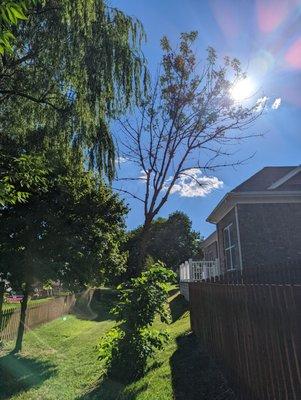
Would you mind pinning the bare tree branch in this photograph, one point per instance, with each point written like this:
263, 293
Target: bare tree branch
130, 193
188, 122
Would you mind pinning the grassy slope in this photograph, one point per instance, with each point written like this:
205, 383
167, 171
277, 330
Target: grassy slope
59, 361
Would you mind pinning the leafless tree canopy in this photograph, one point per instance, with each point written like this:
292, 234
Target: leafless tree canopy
187, 122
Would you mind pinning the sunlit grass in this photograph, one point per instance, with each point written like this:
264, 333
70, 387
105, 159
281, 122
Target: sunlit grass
59, 361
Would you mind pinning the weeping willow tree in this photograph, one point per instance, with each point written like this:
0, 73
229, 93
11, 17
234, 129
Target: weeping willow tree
68, 68
74, 65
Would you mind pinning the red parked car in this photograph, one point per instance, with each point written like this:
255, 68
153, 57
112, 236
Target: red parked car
14, 298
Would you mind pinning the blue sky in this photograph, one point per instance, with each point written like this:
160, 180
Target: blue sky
266, 36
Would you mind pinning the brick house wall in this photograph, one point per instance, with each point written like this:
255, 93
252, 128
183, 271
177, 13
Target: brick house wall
225, 221
211, 252
269, 233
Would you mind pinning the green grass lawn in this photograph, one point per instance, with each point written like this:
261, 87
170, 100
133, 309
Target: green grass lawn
59, 361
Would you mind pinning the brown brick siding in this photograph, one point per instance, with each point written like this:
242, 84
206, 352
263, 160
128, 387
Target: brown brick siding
269, 233
210, 252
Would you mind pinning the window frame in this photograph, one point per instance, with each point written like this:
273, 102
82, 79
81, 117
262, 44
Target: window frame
231, 248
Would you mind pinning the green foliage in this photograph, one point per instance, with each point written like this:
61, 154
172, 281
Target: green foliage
171, 240
127, 347
74, 65
47, 285
71, 230
144, 297
149, 261
11, 13
108, 349
21, 175
126, 353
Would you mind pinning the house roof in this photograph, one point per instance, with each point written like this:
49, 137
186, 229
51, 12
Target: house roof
263, 179
209, 240
270, 184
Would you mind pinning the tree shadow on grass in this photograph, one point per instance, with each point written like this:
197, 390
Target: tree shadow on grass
109, 389
18, 374
102, 302
95, 304
178, 307
95, 312
194, 374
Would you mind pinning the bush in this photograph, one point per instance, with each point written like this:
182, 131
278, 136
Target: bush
127, 347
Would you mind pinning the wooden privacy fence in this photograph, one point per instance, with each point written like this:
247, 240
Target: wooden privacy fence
255, 333
288, 273
35, 316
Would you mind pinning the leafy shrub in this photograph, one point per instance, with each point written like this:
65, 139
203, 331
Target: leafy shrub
127, 347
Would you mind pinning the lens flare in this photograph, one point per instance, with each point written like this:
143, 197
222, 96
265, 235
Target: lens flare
293, 55
242, 90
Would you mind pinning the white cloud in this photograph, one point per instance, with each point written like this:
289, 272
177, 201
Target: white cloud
142, 175
196, 184
121, 160
260, 103
276, 103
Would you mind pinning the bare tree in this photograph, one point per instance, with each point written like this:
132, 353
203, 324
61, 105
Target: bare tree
186, 124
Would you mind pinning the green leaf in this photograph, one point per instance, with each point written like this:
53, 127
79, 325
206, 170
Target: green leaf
11, 16
18, 13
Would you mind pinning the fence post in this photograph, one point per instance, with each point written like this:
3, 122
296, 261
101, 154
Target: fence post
181, 272
191, 277
2, 287
217, 267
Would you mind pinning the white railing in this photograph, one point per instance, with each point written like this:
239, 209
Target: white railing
193, 271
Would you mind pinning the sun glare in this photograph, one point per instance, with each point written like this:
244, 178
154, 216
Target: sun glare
242, 90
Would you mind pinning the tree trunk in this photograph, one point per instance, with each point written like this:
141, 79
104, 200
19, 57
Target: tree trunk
21, 329
2, 286
142, 249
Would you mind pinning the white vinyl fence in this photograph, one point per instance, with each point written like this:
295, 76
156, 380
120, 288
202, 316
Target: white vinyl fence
196, 271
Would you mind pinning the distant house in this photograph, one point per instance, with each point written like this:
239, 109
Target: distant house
259, 222
49, 289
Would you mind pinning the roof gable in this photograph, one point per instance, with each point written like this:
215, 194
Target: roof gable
209, 240
269, 185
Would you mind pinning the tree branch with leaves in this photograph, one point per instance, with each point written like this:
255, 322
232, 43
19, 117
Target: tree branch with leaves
11, 14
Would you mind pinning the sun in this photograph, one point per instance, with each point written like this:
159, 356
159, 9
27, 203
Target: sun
242, 90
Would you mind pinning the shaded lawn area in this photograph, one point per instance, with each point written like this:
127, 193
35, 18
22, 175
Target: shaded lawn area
59, 361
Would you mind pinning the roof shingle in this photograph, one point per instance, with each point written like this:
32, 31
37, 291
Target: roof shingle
263, 179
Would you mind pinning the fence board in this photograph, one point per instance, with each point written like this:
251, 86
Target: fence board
254, 331
35, 316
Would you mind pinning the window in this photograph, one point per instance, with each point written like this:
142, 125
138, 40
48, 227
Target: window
229, 247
